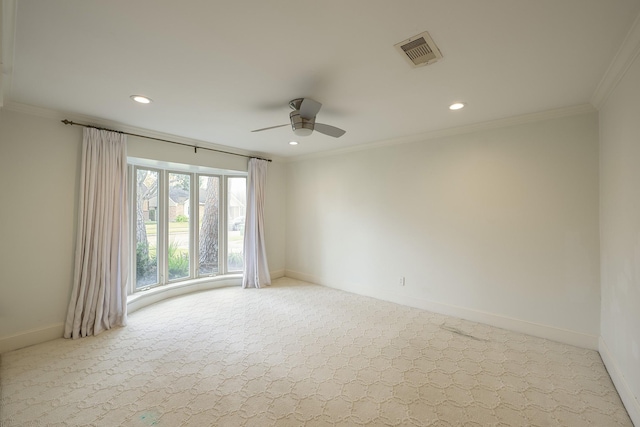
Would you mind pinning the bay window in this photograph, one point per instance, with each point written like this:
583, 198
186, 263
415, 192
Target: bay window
178, 221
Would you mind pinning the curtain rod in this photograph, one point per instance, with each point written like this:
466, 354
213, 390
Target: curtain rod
195, 147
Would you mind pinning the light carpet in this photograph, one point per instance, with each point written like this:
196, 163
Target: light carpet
296, 354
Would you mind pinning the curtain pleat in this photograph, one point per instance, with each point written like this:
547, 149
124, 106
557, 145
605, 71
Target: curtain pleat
99, 298
256, 269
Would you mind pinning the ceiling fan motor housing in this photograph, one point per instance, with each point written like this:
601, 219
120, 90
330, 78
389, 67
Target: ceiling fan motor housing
303, 119
300, 125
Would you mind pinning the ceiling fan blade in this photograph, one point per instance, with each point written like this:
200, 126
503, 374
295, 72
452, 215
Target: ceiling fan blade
329, 130
309, 108
271, 127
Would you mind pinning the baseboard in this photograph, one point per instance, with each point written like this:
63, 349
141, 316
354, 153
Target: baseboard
134, 303
31, 337
304, 277
276, 274
553, 333
630, 402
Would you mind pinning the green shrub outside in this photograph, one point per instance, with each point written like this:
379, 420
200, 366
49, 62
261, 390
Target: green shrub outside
178, 262
235, 261
145, 266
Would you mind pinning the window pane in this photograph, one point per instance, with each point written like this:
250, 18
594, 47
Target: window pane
178, 249
209, 211
146, 228
236, 207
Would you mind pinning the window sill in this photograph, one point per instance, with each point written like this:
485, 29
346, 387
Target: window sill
144, 298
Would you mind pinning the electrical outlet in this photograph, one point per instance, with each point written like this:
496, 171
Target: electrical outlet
401, 280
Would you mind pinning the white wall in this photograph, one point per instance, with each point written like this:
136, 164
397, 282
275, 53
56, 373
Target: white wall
39, 172
275, 218
499, 226
620, 237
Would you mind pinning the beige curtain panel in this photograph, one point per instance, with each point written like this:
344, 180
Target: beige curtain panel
99, 297
256, 269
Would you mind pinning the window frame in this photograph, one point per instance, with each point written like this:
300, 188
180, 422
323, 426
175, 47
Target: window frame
226, 222
195, 172
221, 196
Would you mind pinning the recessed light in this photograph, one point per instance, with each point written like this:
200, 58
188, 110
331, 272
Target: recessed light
141, 99
456, 106
293, 143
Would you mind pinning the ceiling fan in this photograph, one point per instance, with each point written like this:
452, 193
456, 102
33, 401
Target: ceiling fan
303, 119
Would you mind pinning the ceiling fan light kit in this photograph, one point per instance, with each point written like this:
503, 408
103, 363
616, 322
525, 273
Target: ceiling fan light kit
303, 119
300, 125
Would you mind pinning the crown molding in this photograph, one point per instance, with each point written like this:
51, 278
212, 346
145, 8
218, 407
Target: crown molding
99, 122
459, 130
626, 55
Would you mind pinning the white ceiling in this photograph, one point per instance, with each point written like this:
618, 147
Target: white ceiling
218, 69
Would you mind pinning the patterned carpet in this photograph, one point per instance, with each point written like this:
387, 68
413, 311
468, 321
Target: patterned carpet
296, 354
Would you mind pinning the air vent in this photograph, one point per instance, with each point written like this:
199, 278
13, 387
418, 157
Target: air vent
419, 50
